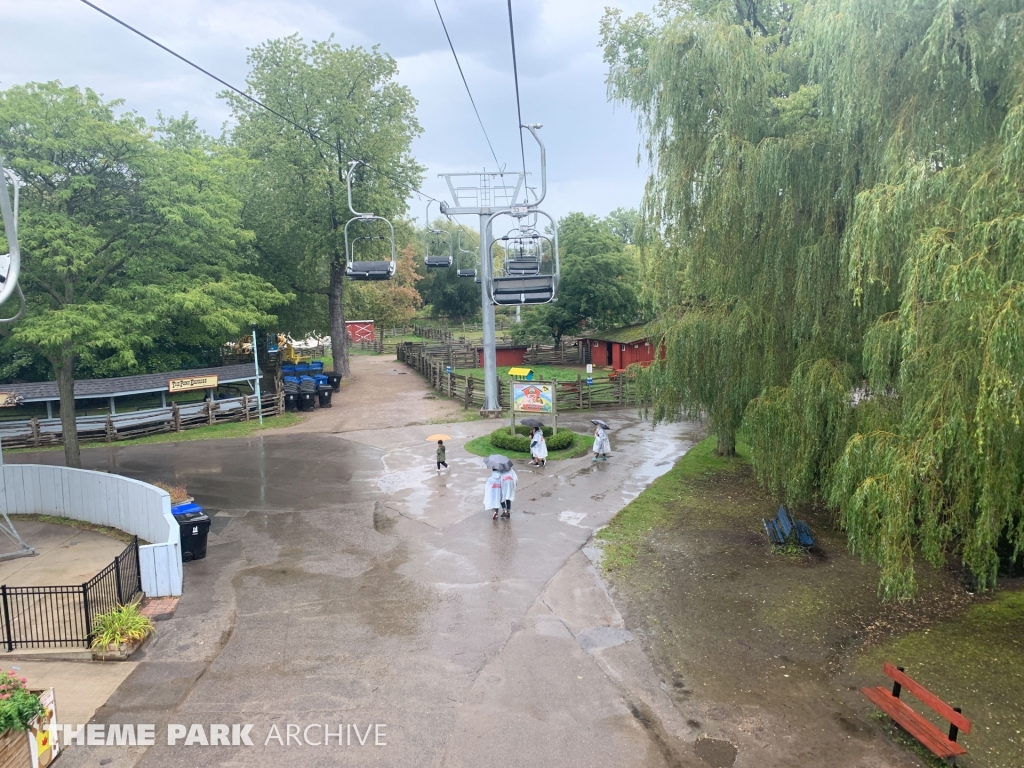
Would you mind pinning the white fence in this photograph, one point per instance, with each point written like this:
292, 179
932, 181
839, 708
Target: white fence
97, 497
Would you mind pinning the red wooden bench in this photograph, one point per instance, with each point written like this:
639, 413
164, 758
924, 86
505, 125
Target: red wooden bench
939, 743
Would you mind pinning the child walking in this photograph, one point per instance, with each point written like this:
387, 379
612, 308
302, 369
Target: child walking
601, 445
440, 456
538, 448
509, 478
492, 493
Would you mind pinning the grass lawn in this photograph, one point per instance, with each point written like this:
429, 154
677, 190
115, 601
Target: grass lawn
113, 533
482, 446
215, 432
656, 505
540, 372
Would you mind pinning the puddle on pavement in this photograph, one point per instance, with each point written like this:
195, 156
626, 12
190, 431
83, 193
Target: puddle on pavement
715, 752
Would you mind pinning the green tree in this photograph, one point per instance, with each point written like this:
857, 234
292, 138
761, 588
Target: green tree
838, 260
451, 296
625, 224
598, 284
351, 107
121, 234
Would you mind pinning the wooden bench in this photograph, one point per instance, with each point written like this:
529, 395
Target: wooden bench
781, 530
938, 743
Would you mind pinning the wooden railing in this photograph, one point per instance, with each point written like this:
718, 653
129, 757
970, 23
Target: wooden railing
35, 433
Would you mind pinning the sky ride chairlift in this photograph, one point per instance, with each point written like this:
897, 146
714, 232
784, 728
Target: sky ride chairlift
10, 269
441, 239
466, 267
527, 276
10, 262
367, 270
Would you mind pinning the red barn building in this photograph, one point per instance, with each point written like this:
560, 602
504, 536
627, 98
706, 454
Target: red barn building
620, 348
360, 330
506, 355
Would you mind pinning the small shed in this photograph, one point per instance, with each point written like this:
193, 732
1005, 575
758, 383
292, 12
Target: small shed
360, 330
521, 374
504, 355
621, 347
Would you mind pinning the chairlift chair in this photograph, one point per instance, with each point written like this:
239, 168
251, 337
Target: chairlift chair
461, 270
523, 254
436, 240
528, 278
367, 269
10, 262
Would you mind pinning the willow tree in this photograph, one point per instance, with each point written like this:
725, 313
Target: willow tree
349, 106
840, 181
745, 209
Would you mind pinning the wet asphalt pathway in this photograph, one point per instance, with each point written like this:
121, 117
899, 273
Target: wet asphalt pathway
346, 582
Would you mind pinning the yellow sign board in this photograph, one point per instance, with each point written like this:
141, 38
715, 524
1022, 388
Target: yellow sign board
195, 382
8, 399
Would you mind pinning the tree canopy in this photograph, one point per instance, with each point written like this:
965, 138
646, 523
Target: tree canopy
598, 284
351, 106
125, 235
833, 241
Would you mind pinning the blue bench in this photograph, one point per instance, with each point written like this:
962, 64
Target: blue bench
781, 530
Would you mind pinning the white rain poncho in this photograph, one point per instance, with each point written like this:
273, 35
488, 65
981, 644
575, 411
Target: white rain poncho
601, 444
492, 491
538, 446
508, 485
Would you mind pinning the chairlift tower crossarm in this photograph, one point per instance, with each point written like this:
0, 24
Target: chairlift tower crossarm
487, 200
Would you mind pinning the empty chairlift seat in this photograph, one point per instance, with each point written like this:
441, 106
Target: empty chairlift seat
538, 289
370, 270
525, 266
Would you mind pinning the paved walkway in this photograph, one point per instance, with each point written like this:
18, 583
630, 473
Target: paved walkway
64, 555
347, 582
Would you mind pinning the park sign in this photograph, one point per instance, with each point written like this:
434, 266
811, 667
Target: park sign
194, 382
532, 398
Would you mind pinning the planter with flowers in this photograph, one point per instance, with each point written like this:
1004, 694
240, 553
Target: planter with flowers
117, 634
24, 717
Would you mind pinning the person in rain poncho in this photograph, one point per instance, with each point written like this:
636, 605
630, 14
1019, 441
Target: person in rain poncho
492, 493
509, 478
601, 445
538, 448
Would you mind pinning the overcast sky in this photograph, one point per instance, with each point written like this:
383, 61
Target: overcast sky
592, 145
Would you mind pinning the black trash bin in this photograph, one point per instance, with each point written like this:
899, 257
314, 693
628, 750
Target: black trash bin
307, 401
335, 381
324, 394
291, 401
195, 527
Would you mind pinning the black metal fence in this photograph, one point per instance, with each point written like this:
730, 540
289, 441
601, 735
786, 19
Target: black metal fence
54, 617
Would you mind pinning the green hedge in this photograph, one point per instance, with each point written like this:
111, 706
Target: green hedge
501, 438
521, 430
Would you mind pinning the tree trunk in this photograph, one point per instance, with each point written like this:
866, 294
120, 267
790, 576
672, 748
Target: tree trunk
339, 335
726, 442
64, 368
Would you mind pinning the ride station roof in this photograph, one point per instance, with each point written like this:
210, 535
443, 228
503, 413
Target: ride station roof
123, 386
630, 334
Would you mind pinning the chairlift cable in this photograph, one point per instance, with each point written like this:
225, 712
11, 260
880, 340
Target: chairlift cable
256, 101
468, 92
515, 73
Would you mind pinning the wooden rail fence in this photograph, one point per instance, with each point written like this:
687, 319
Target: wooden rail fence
34, 433
432, 361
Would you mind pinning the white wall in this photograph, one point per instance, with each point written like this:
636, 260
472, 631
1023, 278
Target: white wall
97, 497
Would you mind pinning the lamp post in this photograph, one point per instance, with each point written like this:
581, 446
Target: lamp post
256, 363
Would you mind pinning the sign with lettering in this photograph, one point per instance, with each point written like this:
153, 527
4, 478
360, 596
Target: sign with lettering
195, 382
532, 398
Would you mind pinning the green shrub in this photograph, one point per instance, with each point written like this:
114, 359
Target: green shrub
123, 624
501, 438
17, 705
521, 430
